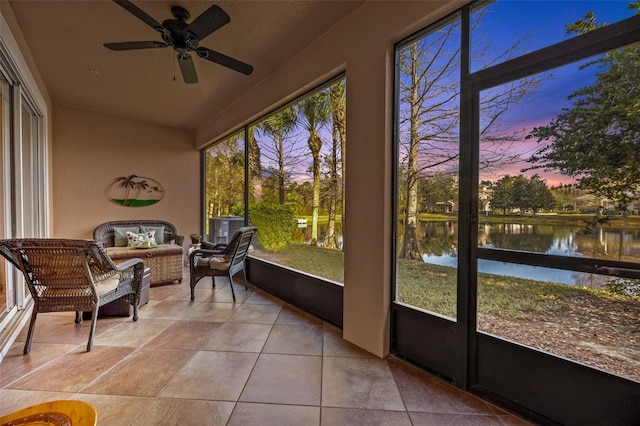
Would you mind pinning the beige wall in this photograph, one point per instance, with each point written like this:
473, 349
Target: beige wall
362, 46
91, 150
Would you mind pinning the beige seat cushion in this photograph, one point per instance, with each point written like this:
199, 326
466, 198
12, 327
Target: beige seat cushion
103, 287
107, 285
220, 263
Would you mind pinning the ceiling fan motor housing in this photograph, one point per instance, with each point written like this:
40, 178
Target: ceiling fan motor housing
183, 37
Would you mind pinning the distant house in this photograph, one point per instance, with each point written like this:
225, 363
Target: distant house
447, 206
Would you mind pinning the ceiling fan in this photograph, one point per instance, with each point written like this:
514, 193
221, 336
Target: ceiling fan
183, 37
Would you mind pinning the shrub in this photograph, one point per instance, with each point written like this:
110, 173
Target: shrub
274, 222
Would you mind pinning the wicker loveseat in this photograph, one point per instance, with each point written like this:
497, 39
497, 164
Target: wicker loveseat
165, 261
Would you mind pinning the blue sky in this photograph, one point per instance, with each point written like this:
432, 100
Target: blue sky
541, 23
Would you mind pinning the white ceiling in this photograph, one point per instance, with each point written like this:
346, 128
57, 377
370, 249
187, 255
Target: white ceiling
66, 41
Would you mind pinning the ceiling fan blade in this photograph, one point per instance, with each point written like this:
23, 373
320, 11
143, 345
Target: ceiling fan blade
140, 14
224, 60
131, 45
188, 69
210, 20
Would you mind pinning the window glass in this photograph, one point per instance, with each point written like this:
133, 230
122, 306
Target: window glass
224, 188
528, 25
428, 90
5, 123
295, 183
568, 184
298, 189
32, 171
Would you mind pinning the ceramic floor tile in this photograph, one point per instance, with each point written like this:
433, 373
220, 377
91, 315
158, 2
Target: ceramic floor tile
442, 419
163, 292
134, 333
213, 312
186, 412
15, 365
359, 383
181, 293
143, 373
14, 400
166, 309
211, 361
61, 328
293, 316
335, 345
223, 289
216, 376
239, 337
424, 392
185, 335
246, 414
222, 294
295, 339
285, 379
353, 416
202, 293
257, 313
259, 297
74, 370
114, 410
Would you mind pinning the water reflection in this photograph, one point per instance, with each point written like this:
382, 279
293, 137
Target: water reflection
438, 244
302, 234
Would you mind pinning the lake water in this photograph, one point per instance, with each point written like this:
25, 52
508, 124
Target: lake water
438, 245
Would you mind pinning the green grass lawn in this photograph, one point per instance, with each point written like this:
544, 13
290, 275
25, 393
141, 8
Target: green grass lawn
325, 263
433, 287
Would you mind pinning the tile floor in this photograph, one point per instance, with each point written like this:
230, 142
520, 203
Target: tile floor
259, 361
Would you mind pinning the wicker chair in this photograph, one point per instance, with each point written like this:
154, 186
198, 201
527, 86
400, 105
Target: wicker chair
72, 275
222, 259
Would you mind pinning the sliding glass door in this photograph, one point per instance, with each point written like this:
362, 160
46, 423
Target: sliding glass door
526, 289
23, 187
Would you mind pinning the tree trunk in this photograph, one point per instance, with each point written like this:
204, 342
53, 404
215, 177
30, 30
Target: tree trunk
330, 236
410, 249
315, 143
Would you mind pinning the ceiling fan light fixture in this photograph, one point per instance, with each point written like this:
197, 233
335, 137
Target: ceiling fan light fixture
184, 37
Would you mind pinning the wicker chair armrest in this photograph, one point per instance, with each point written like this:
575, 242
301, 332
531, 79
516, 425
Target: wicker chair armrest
179, 239
206, 245
128, 264
202, 253
205, 253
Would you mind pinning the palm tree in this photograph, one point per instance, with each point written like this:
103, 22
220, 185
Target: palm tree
315, 114
337, 107
128, 184
278, 126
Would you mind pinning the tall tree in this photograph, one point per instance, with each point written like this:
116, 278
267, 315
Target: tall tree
429, 117
538, 195
597, 140
224, 167
279, 155
503, 194
255, 167
337, 109
314, 113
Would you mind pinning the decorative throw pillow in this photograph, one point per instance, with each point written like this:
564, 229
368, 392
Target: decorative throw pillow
159, 232
120, 235
151, 237
141, 240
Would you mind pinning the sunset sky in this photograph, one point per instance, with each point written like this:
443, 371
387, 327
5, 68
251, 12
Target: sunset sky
542, 23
